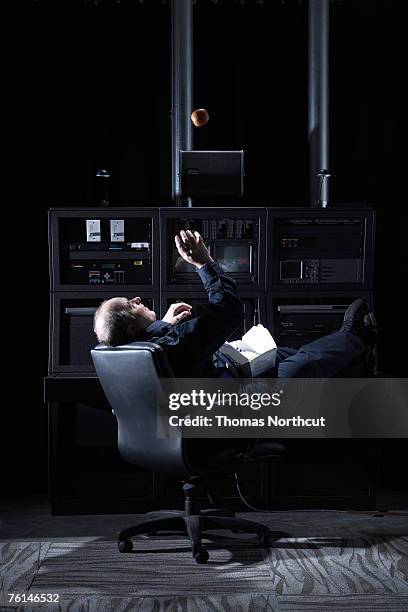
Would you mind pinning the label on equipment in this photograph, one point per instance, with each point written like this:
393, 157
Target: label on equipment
93, 230
140, 246
117, 230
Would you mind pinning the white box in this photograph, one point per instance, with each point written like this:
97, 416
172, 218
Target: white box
93, 230
117, 230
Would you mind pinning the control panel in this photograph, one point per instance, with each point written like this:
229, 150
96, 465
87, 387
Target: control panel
316, 250
97, 249
232, 241
295, 322
282, 259
109, 263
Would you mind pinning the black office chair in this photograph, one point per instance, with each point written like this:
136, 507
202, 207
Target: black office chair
129, 376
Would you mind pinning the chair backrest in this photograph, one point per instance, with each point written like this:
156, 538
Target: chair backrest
130, 377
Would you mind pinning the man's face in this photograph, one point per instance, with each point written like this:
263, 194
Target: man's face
142, 312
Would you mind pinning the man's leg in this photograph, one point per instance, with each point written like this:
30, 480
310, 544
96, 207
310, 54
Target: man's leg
282, 353
322, 358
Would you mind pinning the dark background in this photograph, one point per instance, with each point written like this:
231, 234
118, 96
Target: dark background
92, 89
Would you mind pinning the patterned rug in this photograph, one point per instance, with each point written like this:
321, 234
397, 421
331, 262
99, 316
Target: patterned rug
160, 574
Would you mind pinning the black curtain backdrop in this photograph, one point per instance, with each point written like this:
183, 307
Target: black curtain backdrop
92, 90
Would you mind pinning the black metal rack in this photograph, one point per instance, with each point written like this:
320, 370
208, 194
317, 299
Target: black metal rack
86, 471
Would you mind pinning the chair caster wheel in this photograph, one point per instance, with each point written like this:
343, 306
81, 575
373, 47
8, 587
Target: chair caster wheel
201, 556
125, 546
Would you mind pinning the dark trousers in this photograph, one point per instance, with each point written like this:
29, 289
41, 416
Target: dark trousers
326, 357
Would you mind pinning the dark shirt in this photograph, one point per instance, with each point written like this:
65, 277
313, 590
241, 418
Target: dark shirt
191, 346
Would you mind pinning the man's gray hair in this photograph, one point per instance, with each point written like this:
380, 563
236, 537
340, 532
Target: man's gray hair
115, 325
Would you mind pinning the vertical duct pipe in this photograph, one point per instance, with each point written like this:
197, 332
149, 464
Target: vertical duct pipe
318, 112
182, 90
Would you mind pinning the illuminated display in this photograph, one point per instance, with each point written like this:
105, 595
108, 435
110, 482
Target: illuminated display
234, 258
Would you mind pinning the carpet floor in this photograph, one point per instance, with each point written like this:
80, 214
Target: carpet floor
362, 571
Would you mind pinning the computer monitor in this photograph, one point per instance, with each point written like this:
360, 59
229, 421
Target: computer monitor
233, 238
235, 258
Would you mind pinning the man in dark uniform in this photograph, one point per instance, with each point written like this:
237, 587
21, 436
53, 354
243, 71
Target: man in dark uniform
193, 346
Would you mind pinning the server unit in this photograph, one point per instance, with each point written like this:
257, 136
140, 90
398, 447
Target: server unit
326, 250
96, 254
235, 238
71, 326
297, 270
295, 320
318, 263
97, 249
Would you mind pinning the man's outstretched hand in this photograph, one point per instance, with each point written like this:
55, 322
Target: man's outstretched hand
192, 248
176, 313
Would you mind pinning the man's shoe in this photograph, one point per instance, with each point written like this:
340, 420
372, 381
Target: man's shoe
354, 318
359, 321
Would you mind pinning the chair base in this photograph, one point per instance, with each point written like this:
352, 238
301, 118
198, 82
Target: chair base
193, 525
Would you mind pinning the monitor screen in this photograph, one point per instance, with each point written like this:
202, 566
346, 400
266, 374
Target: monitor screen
181, 266
234, 258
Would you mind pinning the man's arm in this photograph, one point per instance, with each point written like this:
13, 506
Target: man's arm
199, 338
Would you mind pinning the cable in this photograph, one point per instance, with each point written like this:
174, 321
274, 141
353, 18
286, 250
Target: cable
244, 500
372, 513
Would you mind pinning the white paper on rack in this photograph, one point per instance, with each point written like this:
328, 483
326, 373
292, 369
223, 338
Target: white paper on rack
258, 339
250, 355
244, 349
241, 346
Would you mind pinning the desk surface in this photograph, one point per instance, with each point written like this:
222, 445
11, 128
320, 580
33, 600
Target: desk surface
72, 387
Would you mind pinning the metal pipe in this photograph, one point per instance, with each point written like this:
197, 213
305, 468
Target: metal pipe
318, 111
182, 90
